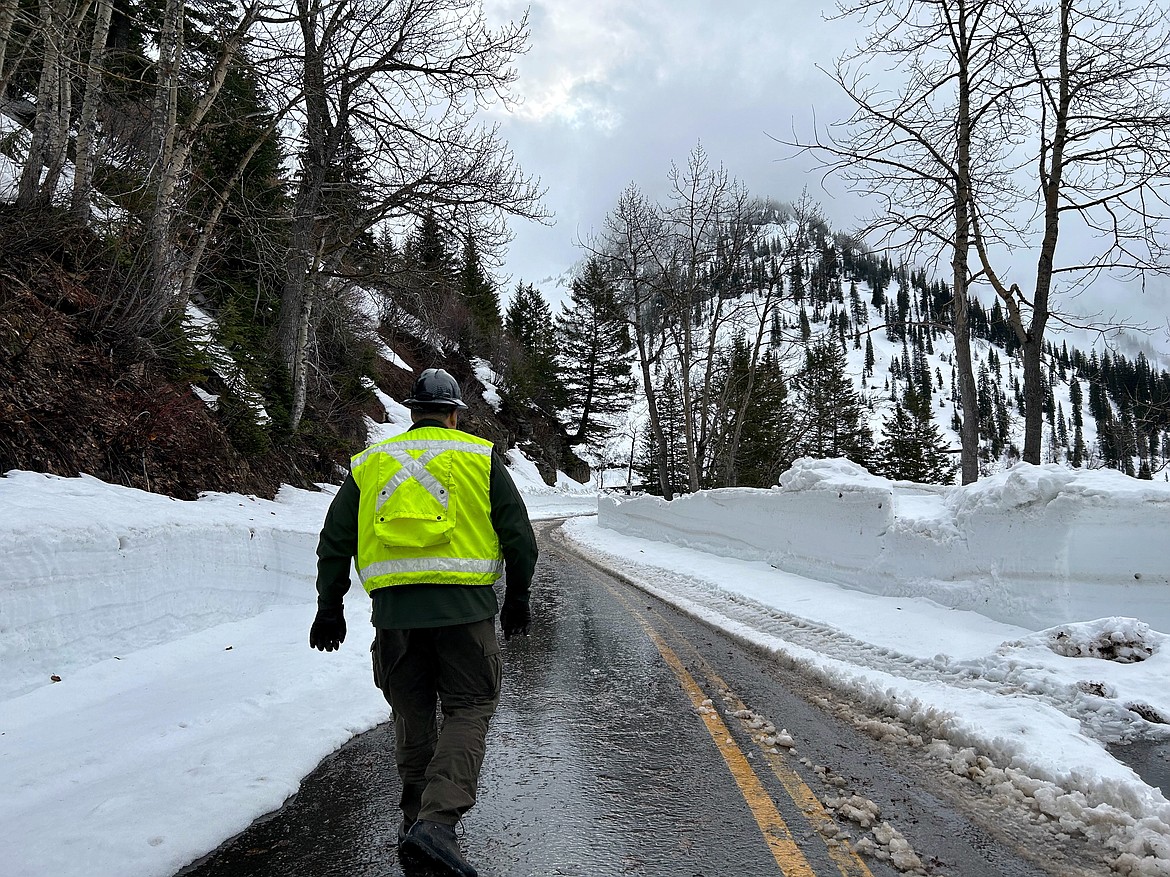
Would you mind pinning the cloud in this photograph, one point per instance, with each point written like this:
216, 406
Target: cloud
613, 92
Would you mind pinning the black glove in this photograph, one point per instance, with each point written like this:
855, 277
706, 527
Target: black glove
514, 618
328, 631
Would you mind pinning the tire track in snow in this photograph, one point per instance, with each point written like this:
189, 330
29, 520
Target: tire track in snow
1107, 721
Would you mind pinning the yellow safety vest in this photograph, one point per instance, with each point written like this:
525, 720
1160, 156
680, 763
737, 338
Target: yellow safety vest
425, 514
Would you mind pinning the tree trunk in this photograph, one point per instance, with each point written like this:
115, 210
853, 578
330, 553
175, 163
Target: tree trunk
8, 10
164, 121
303, 261
57, 143
1050, 186
969, 425
87, 125
29, 194
660, 460
300, 353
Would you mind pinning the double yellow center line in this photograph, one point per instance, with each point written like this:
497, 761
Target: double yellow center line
784, 847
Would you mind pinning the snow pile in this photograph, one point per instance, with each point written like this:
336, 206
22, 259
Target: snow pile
1035, 545
1127, 643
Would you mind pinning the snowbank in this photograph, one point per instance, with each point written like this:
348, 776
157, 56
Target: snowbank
94, 570
1036, 546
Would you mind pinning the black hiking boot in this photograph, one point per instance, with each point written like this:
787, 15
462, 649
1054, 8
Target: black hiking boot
433, 843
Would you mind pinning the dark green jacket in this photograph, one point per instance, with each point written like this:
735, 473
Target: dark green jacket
407, 606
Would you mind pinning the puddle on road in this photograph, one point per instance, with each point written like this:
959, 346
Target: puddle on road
1149, 759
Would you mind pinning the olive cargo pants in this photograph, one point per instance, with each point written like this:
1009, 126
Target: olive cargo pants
459, 668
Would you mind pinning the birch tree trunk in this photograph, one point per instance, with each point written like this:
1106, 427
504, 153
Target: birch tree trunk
163, 176
52, 17
87, 125
173, 143
304, 254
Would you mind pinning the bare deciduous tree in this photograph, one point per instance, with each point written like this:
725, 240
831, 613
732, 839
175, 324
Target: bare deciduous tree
710, 223
631, 233
938, 140
1099, 79
57, 29
391, 88
171, 141
87, 124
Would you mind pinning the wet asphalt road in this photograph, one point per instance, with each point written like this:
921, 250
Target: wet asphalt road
599, 763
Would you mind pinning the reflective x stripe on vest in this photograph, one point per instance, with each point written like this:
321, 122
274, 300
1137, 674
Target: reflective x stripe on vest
465, 549
416, 469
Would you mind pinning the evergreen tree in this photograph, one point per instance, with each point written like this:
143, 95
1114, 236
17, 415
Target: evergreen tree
480, 298
858, 310
796, 279
1079, 452
670, 411
913, 449
534, 372
430, 273
834, 418
594, 352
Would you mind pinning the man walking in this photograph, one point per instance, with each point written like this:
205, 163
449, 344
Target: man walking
432, 517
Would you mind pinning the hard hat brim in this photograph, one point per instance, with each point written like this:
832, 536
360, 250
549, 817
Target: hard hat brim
421, 404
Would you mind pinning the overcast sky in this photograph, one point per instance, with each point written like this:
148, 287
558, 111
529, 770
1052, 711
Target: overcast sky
612, 92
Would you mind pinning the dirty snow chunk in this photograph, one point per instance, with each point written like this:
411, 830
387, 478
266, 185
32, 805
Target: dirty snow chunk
901, 853
1124, 640
1148, 713
784, 739
856, 809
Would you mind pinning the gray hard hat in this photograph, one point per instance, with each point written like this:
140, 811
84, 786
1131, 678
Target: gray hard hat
435, 388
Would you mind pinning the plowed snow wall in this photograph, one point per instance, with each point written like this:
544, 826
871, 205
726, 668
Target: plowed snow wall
1036, 559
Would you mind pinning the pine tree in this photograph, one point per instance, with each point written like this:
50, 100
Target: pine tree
670, 410
913, 449
480, 298
1079, 452
859, 311
835, 423
534, 372
429, 277
594, 352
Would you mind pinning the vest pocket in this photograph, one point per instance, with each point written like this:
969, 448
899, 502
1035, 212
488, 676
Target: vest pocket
407, 531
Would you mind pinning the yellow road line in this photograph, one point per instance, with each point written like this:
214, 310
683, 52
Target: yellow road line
784, 848
848, 862
782, 844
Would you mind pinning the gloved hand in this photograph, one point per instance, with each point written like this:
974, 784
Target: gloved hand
328, 630
514, 618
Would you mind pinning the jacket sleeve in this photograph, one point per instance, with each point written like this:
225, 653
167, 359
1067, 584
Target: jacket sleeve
517, 541
337, 546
